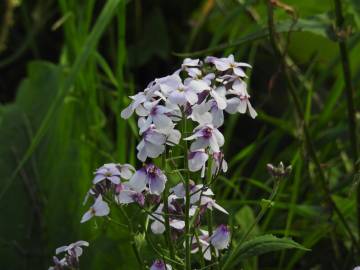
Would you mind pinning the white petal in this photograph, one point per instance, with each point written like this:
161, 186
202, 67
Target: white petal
138, 181
125, 197
157, 185
232, 105
60, 249
88, 215
220, 208
157, 227
199, 143
220, 101
252, 112
127, 112
100, 207
219, 137
153, 150
177, 224
242, 106
98, 178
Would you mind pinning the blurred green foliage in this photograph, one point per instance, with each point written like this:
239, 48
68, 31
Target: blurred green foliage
67, 68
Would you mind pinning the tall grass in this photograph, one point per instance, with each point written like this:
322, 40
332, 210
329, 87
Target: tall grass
66, 121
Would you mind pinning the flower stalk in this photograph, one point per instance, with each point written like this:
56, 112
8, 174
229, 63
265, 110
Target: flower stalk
299, 111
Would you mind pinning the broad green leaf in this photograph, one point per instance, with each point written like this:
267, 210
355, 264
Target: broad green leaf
259, 245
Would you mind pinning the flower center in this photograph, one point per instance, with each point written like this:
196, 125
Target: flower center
207, 132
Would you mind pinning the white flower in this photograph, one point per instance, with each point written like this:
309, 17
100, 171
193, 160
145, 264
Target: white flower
241, 102
200, 113
152, 143
158, 227
158, 115
204, 245
150, 176
221, 237
219, 163
160, 265
205, 136
108, 171
127, 195
74, 249
210, 203
188, 62
228, 63
177, 92
197, 161
99, 208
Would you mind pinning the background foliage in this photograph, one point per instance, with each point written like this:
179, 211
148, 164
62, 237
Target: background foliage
67, 68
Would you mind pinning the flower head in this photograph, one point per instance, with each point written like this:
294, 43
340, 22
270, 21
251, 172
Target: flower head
206, 136
99, 208
148, 176
221, 237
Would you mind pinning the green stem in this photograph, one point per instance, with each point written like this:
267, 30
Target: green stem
308, 142
166, 216
133, 244
349, 90
228, 262
187, 206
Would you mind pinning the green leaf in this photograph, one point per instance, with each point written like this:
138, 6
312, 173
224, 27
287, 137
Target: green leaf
319, 25
260, 245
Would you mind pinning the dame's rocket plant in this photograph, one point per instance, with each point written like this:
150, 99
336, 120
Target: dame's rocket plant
194, 97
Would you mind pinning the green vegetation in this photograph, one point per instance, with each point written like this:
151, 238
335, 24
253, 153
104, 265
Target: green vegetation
67, 69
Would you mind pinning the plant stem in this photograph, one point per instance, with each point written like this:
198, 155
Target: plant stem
308, 142
349, 90
187, 206
262, 212
209, 215
166, 216
133, 244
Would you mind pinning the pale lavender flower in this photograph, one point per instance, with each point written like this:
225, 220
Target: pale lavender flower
221, 237
177, 92
158, 115
126, 195
357, 268
228, 63
241, 102
99, 208
157, 226
205, 136
73, 249
126, 170
196, 191
197, 161
188, 62
204, 245
160, 265
219, 163
109, 172
152, 143
200, 113
217, 114
210, 203
150, 176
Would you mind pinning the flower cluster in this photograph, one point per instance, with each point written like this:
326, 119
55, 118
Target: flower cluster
71, 258
200, 92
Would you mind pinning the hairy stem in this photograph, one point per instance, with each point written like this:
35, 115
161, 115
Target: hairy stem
299, 111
